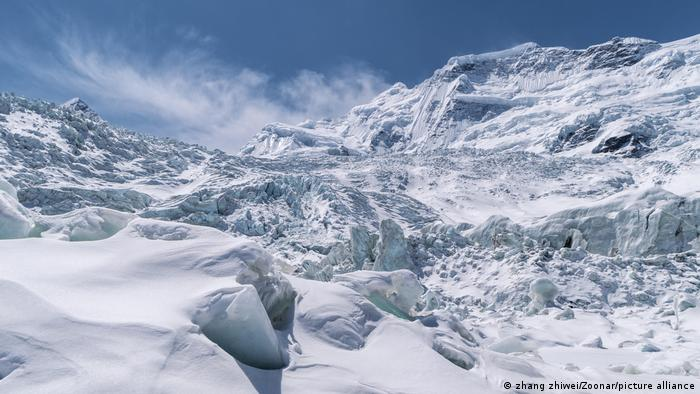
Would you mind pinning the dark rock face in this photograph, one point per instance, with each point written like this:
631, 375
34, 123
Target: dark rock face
474, 111
627, 145
569, 138
386, 138
618, 52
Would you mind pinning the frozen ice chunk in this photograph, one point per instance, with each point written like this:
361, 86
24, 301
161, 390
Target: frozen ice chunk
686, 301
338, 259
274, 290
362, 244
543, 289
593, 341
542, 293
15, 220
6, 187
566, 314
648, 348
393, 248
651, 221
237, 321
497, 231
277, 297
397, 292
511, 364
511, 344
454, 352
8, 363
87, 224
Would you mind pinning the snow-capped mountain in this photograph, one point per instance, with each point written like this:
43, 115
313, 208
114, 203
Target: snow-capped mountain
528, 214
628, 96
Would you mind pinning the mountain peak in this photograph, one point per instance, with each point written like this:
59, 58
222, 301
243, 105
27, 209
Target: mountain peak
474, 58
78, 105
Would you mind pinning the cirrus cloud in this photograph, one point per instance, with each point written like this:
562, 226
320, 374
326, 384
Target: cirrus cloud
188, 93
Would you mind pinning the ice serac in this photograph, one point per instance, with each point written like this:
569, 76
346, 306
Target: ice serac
497, 231
7, 187
362, 244
392, 248
236, 320
652, 221
274, 290
15, 220
542, 293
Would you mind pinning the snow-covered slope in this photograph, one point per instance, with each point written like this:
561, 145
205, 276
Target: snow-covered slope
526, 215
628, 96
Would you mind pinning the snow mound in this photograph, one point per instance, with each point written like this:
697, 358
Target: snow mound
497, 231
87, 224
338, 315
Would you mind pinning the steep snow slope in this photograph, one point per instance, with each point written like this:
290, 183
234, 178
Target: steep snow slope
528, 215
627, 96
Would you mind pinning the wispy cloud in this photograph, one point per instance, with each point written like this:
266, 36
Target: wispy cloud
188, 93
192, 34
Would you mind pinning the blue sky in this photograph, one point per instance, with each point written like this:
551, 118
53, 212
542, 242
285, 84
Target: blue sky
215, 71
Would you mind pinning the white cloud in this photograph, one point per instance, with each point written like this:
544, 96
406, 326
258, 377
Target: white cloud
192, 34
188, 94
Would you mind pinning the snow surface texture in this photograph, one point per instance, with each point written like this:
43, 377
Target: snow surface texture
530, 214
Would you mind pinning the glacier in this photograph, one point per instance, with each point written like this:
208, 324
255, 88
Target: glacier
531, 214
